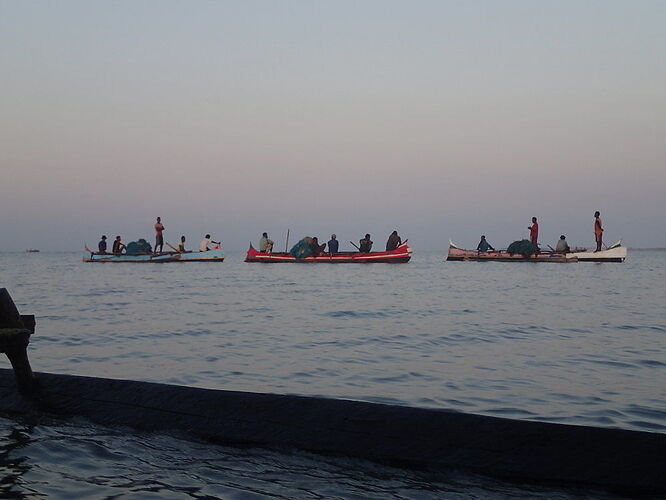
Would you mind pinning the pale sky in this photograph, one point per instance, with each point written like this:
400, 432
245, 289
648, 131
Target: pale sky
436, 118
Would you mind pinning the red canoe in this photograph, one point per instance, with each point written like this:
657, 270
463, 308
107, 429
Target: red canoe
401, 254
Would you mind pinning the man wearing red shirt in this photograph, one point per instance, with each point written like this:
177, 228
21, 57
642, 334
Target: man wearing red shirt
534, 233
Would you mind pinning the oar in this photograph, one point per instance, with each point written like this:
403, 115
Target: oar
172, 247
355, 245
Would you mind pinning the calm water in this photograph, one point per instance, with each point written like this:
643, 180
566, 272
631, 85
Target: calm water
574, 343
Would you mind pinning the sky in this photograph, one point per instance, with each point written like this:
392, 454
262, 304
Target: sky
439, 119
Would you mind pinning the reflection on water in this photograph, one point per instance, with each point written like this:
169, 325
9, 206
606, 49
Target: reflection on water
74, 459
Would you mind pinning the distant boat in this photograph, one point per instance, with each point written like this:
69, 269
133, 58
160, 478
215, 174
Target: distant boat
32, 250
614, 253
208, 256
401, 254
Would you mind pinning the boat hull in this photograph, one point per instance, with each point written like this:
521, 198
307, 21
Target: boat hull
459, 254
615, 253
209, 256
401, 254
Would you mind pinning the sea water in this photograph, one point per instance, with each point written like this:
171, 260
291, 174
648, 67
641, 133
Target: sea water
577, 343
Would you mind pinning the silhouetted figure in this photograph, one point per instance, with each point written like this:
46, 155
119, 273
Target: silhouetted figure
393, 241
365, 245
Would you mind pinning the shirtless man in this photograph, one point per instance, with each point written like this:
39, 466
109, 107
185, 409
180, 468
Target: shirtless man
159, 239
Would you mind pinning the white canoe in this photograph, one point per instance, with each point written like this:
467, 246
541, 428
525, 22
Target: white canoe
614, 253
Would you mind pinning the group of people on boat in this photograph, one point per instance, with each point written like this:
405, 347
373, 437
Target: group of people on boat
561, 247
141, 246
309, 245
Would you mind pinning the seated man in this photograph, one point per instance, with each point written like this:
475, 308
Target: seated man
181, 245
365, 245
562, 245
484, 246
203, 246
265, 243
118, 246
393, 241
101, 246
317, 249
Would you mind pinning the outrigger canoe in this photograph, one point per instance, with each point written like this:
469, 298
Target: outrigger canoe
401, 254
614, 253
209, 256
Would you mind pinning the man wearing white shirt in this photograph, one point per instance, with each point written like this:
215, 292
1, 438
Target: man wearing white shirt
203, 246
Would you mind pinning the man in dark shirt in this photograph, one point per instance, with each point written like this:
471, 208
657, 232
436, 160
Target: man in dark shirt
118, 246
365, 245
101, 246
484, 246
393, 241
333, 244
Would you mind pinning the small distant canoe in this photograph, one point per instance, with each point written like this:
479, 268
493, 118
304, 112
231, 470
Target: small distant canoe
614, 253
209, 256
401, 254
32, 250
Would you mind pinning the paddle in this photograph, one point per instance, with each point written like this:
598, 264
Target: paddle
358, 248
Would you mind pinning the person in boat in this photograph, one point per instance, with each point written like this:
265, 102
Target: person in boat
534, 233
562, 245
365, 245
181, 245
101, 246
483, 245
393, 241
317, 249
598, 231
118, 246
333, 244
159, 237
265, 243
203, 246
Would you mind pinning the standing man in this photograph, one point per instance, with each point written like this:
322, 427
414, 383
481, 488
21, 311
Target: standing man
534, 233
598, 231
265, 243
333, 244
393, 241
159, 239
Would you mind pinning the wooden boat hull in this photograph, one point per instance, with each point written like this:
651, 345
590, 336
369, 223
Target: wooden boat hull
458, 254
400, 255
209, 256
614, 253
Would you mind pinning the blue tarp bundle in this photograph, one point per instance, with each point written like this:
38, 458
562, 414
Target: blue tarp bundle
522, 247
301, 249
137, 247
